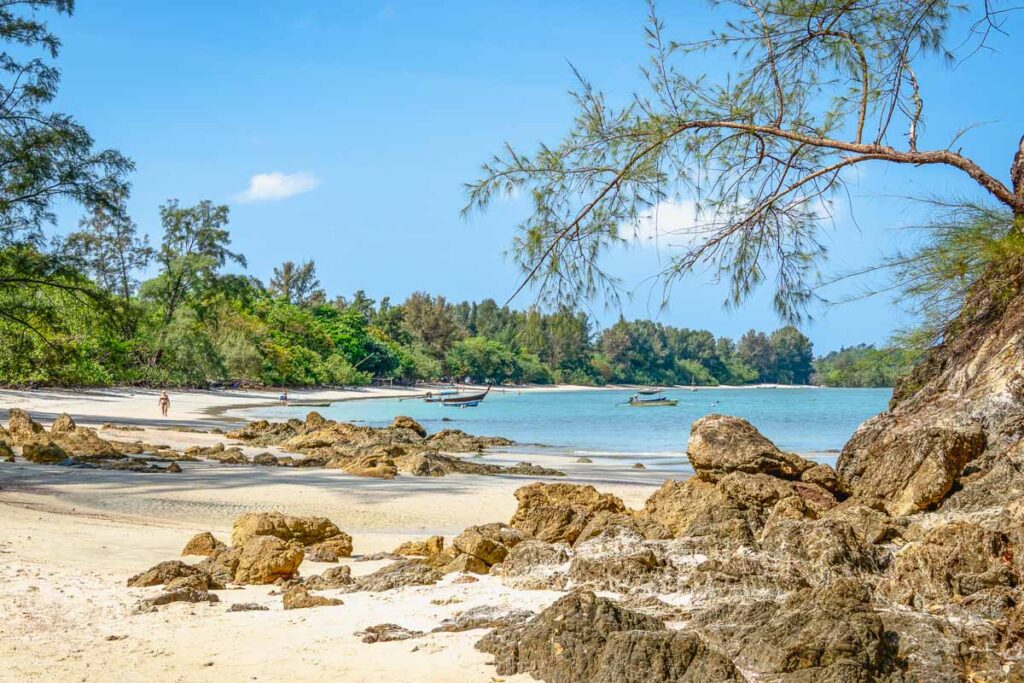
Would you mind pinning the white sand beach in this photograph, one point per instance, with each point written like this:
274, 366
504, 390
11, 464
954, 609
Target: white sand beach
70, 538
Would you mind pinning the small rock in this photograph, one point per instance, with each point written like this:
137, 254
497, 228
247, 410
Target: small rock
300, 598
383, 633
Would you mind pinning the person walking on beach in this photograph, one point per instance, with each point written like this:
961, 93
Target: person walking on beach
165, 403
284, 398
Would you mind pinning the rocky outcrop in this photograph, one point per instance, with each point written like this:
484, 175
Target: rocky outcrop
333, 578
830, 633
164, 573
489, 543
397, 575
720, 445
911, 469
255, 560
535, 565
951, 562
23, 429
203, 544
377, 465
80, 442
43, 453
953, 431
559, 512
385, 633
582, 638
302, 530
431, 464
179, 595
350, 447
403, 422
485, 616
298, 597
741, 478
425, 548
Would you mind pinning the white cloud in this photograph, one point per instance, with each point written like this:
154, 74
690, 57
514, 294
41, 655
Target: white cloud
668, 224
269, 187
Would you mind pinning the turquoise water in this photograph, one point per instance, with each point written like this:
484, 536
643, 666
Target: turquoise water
591, 422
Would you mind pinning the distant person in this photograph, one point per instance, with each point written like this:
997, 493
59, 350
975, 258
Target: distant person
165, 403
284, 397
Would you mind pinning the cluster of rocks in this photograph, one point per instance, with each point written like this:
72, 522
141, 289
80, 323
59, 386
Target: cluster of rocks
69, 444
266, 548
763, 566
402, 447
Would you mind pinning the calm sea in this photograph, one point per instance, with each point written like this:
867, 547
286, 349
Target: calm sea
808, 421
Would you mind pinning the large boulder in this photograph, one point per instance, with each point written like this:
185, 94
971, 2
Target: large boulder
64, 424
80, 442
298, 597
730, 511
23, 429
582, 638
489, 543
720, 445
303, 530
911, 469
43, 453
559, 512
266, 559
164, 572
963, 402
331, 550
404, 422
379, 465
426, 548
203, 544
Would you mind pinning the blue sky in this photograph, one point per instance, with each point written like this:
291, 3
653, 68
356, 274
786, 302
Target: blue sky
375, 113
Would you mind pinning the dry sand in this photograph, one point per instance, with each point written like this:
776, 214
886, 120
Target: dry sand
69, 539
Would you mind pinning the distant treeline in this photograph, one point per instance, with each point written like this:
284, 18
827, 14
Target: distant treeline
194, 322
863, 366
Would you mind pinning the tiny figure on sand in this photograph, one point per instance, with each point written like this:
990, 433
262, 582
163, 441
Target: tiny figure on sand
165, 403
284, 397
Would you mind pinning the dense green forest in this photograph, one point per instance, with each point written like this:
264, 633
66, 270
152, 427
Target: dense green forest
196, 319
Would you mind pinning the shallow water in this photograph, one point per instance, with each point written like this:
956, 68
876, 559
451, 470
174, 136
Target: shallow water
595, 423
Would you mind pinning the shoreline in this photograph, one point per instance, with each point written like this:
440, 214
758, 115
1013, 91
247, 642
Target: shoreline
207, 408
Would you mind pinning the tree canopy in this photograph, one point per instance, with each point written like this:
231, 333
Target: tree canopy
819, 87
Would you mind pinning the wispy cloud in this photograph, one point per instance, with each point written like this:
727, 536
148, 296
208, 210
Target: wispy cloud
669, 223
270, 187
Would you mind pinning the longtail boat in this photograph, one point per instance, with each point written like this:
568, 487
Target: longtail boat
436, 397
649, 392
467, 401
661, 401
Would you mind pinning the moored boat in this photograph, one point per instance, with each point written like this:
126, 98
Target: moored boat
661, 401
467, 401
